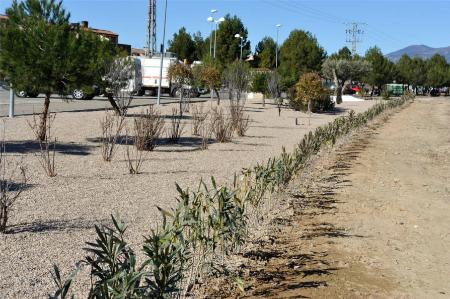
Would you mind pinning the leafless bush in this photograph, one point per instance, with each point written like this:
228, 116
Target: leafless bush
205, 134
148, 129
13, 180
198, 118
221, 125
118, 77
274, 85
240, 120
112, 126
236, 78
47, 146
133, 155
176, 129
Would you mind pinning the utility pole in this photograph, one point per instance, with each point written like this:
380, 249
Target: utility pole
162, 56
151, 35
354, 34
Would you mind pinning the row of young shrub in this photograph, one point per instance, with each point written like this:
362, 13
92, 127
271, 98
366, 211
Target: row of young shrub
208, 224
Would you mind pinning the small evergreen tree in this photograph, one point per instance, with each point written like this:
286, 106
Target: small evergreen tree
309, 89
42, 52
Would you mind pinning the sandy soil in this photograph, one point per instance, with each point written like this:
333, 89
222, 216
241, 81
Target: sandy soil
368, 220
55, 217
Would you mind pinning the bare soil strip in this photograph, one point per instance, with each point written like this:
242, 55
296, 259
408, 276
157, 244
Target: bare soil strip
367, 220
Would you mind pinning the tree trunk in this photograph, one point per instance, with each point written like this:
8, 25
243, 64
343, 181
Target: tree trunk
114, 104
181, 100
339, 92
218, 96
338, 88
44, 117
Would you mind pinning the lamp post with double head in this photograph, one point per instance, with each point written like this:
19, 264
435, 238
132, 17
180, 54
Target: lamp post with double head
211, 20
241, 43
215, 33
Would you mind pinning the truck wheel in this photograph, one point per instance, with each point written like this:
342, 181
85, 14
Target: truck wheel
141, 92
21, 94
78, 94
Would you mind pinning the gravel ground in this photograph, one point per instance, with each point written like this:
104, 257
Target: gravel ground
55, 216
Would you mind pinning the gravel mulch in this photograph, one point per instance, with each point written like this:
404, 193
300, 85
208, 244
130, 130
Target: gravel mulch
55, 216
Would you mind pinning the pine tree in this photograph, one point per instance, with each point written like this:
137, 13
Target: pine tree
42, 52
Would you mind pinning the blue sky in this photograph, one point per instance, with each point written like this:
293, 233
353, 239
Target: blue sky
391, 25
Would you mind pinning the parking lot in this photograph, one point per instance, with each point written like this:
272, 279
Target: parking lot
28, 106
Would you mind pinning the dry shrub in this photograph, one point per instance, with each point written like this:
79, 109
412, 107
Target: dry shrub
198, 118
221, 125
47, 146
133, 155
13, 181
239, 119
176, 129
111, 125
205, 134
148, 129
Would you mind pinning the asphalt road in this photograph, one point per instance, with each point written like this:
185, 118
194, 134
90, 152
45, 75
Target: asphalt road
28, 106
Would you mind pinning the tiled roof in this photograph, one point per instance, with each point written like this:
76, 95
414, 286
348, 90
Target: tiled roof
102, 32
3, 17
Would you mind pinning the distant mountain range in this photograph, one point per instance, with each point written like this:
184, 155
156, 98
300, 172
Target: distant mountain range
421, 51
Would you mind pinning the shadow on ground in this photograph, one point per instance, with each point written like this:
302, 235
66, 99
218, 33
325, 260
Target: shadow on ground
54, 226
25, 147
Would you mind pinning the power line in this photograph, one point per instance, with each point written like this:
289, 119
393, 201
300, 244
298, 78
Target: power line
304, 10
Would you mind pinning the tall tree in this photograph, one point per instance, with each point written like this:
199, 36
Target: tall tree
182, 45
199, 44
405, 68
299, 54
228, 46
437, 71
40, 51
419, 72
343, 53
383, 70
266, 53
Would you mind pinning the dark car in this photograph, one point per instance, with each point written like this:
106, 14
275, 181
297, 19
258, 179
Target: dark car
435, 92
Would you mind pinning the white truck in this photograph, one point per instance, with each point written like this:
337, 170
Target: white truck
150, 74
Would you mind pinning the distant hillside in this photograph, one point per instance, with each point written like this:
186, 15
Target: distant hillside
419, 51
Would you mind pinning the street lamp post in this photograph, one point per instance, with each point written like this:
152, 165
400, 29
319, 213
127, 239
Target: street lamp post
276, 50
211, 20
215, 34
241, 43
158, 101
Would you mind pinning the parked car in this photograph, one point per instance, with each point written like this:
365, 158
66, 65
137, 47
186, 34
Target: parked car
435, 92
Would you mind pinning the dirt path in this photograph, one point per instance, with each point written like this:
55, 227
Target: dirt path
370, 220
